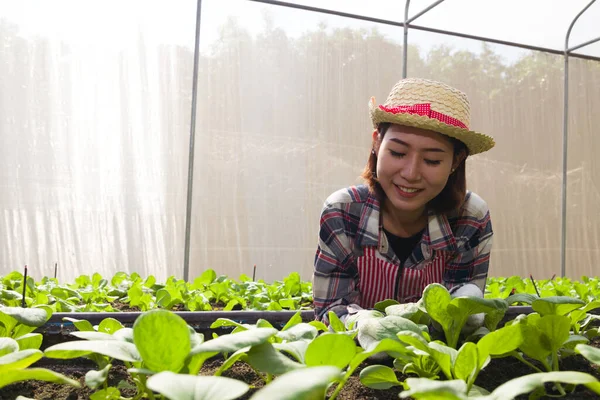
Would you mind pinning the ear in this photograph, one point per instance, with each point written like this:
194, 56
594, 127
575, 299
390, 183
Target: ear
375, 133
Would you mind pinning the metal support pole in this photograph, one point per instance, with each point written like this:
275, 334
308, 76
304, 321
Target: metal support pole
405, 44
188, 211
407, 21
563, 244
417, 15
584, 44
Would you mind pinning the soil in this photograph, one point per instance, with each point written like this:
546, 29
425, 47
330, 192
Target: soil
496, 373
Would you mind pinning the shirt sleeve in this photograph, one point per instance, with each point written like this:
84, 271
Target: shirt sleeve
335, 275
471, 263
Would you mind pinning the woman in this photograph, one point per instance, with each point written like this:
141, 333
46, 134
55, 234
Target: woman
413, 222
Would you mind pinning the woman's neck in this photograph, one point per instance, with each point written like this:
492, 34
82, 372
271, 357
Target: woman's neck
403, 224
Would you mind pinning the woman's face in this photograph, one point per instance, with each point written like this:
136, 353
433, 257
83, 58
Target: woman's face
413, 166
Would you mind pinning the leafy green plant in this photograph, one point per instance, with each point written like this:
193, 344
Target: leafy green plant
14, 365
19, 323
453, 313
464, 363
426, 389
159, 341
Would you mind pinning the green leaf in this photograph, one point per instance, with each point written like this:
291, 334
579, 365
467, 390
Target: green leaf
34, 317
536, 343
445, 356
8, 345
557, 328
574, 340
235, 341
163, 340
296, 349
221, 322
301, 384
265, 358
30, 341
436, 299
120, 350
330, 349
528, 383
467, 362
263, 323
297, 332
109, 325
39, 374
592, 354
361, 315
295, 320
556, 305
292, 285
591, 306
383, 305
372, 330
415, 340
423, 388
80, 324
19, 359
187, 387
206, 278
493, 318
93, 379
125, 334
335, 323
379, 377
410, 311
163, 298
389, 346
501, 341
141, 371
230, 304
469, 305
520, 298
93, 335
110, 393
321, 327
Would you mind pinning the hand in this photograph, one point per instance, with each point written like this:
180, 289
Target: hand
474, 321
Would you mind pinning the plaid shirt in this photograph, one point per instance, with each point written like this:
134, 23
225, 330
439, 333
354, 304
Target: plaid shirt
354, 263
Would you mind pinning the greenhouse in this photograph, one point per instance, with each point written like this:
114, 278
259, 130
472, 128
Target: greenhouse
165, 167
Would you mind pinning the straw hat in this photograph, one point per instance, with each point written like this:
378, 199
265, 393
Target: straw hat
431, 105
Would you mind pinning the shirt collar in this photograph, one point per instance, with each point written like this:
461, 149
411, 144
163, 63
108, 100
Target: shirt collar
438, 235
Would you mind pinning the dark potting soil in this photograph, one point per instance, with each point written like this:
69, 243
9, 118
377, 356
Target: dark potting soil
353, 390
496, 373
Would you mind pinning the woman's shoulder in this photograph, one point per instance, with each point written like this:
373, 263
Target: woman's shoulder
352, 194
474, 207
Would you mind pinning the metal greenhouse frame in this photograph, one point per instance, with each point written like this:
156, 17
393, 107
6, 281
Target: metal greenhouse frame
407, 24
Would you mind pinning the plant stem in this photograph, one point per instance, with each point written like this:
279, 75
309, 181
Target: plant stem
534, 285
524, 361
555, 368
23, 302
340, 386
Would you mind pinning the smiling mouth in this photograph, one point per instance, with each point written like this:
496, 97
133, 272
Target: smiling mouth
407, 189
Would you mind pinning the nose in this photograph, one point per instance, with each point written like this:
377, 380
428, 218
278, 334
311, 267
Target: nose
411, 171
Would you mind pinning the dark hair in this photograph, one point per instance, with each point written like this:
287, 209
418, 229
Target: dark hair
449, 199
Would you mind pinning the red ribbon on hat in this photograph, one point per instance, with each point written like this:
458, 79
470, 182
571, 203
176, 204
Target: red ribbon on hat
424, 109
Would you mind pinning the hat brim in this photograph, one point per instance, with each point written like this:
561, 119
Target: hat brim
476, 142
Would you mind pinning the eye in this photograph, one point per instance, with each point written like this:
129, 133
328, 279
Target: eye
396, 154
433, 162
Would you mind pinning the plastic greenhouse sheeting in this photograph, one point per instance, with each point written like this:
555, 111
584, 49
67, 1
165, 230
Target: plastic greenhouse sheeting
95, 120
